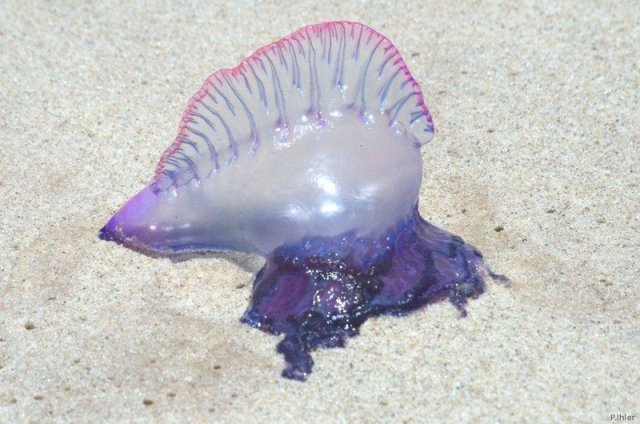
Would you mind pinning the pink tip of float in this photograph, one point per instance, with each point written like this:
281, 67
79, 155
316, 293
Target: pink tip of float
128, 225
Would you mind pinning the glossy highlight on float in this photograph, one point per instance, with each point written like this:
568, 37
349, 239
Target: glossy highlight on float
308, 153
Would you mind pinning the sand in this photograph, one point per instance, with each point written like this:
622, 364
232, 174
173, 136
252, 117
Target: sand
537, 111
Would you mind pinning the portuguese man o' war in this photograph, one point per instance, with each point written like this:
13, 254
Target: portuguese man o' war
308, 153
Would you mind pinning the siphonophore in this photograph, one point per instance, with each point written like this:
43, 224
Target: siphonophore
308, 153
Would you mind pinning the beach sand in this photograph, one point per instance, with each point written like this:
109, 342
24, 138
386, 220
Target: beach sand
535, 162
